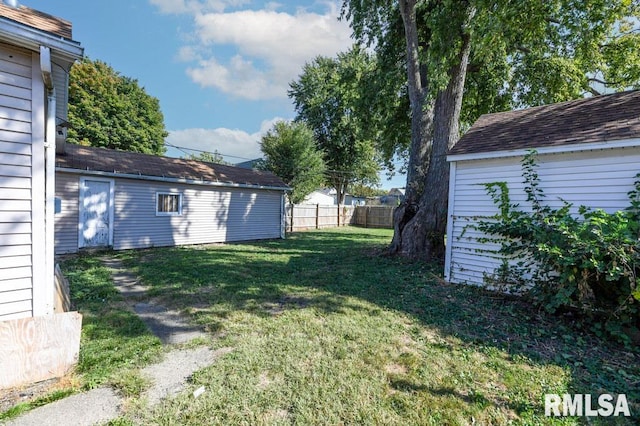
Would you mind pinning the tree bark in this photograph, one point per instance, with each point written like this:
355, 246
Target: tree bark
419, 229
421, 128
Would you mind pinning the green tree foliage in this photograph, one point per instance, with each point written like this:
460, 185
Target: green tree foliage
327, 97
290, 152
109, 110
462, 58
360, 190
209, 157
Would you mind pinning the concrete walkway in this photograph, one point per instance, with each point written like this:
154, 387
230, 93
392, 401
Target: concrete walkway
168, 377
168, 325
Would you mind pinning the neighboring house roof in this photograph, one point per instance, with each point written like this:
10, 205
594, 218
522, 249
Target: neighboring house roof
38, 20
136, 165
397, 191
589, 120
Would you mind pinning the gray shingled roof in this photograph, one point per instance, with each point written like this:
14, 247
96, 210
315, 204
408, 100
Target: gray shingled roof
131, 163
36, 19
597, 119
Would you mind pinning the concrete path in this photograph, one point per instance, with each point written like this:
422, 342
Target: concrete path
168, 377
168, 325
89, 408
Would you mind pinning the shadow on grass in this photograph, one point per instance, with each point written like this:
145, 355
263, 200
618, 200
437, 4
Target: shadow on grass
327, 270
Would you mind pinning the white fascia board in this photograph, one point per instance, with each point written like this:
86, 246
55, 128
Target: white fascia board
31, 38
624, 143
170, 180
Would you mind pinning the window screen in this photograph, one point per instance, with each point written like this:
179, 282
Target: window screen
168, 204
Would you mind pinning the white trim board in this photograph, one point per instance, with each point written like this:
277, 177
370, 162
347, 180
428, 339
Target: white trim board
626, 143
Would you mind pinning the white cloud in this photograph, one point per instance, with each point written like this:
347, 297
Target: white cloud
281, 42
235, 144
188, 54
268, 47
239, 77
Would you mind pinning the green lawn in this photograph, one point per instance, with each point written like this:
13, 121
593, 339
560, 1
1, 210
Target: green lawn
327, 330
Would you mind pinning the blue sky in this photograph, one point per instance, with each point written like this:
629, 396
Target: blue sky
220, 68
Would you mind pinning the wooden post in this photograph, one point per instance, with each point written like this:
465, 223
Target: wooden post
366, 215
338, 215
317, 216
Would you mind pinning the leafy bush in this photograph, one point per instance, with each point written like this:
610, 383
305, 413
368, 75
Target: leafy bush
586, 263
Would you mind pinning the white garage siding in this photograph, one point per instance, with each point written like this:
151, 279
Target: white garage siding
598, 179
66, 221
15, 183
210, 214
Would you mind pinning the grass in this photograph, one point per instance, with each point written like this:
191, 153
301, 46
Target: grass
326, 330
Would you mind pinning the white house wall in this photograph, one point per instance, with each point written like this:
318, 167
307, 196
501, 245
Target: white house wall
209, 214
598, 179
16, 161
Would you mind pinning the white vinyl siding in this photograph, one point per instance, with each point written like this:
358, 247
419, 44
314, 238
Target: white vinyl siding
209, 214
16, 238
66, 221
598, 179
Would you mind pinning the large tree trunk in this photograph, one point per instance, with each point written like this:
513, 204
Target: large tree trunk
419, 229
421, 128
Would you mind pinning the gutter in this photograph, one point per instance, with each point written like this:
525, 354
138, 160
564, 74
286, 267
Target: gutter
170, 180
623, 143
31, 38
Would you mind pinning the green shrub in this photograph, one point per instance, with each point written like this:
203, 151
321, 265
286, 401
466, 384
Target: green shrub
586, 263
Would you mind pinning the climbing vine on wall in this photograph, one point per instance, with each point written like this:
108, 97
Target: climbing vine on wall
587, 263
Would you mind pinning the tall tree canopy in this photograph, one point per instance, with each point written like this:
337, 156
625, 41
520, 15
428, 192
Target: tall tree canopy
109, 110
290, 152
327, 97
462, 58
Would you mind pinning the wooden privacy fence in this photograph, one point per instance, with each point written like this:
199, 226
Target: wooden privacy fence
374, 216
316, 216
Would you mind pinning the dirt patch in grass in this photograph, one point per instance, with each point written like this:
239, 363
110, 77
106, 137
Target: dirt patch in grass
32, 392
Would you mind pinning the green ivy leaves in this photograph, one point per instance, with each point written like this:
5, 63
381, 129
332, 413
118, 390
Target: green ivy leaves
586, 263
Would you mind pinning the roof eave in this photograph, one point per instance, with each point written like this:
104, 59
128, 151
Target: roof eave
171, 180
622, 143
31, 38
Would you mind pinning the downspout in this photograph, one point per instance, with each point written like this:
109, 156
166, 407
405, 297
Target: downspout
50, 164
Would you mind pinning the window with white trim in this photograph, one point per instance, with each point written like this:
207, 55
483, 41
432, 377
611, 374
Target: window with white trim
168, 204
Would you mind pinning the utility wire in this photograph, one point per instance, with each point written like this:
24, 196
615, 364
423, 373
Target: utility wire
182, 148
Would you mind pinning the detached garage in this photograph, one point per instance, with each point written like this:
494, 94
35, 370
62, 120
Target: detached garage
126, 200
588, 154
